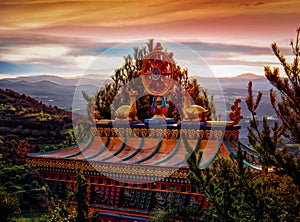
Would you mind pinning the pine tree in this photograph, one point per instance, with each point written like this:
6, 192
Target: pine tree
81, 197
228, 187
267, 139
235, 193
288, 110
176, 211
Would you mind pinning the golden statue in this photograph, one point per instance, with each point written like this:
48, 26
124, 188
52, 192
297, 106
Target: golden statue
192, 112
128, 112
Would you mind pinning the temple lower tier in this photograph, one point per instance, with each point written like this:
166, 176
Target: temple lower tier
132, 168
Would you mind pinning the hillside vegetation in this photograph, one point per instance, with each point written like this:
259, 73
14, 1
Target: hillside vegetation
29, 125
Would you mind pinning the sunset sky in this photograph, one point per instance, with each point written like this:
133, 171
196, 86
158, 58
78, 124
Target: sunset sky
65, 37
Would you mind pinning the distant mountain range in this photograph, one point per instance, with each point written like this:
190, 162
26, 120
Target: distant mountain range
52, 90
237, 82
60, 91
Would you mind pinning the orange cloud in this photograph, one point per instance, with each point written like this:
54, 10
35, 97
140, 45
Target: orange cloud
37, 14
76, 25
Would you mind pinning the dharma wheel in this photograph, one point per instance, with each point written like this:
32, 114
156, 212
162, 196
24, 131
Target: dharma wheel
158, 72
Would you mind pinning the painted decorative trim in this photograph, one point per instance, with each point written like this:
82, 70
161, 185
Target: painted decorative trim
110, 168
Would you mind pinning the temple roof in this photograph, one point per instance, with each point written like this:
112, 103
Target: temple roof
148, 151
164, 150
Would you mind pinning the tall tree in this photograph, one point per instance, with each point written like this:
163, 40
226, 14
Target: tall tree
177, 211
235, 193
266, 139
81, 197
229, 189
288, 109
60, 209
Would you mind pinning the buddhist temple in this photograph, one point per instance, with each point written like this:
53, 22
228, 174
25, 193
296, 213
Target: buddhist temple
131, 165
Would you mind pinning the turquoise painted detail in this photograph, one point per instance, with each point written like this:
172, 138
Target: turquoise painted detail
135, 152
101, 150
117, 152
245, 162
151, 154
189, 149
246, 147
175, 150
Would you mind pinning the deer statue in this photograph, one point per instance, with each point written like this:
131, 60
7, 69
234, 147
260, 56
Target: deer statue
192, 112
128, 112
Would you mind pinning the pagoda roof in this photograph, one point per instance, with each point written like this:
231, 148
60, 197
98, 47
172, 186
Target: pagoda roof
148, 151
165, 150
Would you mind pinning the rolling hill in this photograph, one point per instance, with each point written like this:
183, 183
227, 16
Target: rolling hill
23, 118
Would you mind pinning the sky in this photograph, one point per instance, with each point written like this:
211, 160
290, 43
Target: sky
67, 37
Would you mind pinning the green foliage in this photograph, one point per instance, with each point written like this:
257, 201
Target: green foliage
176, 211
267, 139
9, 206
81, 197
57, 215
40, 116
70, 140
280, 197
288, 110
12, 108
26, 184
62, 212
60, 209
4, 107
30, 120
30, 219
13, 173
225, 186
81, 129
236, 193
